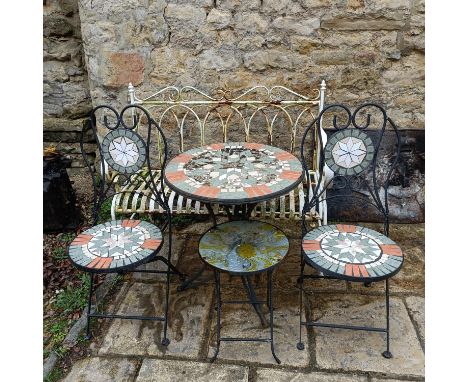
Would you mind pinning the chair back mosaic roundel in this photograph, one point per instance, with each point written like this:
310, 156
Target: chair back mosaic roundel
124, 150
349, 152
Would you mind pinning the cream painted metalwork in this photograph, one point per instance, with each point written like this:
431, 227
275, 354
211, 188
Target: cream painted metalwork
190, 113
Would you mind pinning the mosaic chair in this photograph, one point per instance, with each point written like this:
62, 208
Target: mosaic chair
362, 174
120, 246
244, 248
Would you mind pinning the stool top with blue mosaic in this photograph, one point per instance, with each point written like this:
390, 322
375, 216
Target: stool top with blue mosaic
352, 252
115, 245
243, 246
234, 173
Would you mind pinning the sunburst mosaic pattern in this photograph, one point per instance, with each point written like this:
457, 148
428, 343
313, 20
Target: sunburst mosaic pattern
234, 171
115, 244
243, 246
349, 152
352, 251
124, 150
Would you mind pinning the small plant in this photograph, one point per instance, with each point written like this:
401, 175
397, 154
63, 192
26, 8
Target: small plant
59, 253
54, 376
74, 297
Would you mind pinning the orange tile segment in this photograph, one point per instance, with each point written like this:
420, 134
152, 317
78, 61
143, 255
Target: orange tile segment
93, 263
130, 223
391, 249
151, 243
81, 239
363, 270
207, 191
290, 175
346, 228
348, 270
216, 146
257, 190
104, 263
356, 270
176, 176
253, 146
182, 158
285, 156
311, 245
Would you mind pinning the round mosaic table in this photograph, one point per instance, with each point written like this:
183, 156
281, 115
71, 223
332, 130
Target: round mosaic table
233, 173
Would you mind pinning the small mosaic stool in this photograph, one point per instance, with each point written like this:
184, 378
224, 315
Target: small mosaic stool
244, 248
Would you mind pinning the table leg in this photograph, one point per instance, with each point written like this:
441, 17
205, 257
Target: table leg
253, 298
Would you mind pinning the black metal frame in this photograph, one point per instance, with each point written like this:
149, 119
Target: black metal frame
352, 186
103, 191
252, 300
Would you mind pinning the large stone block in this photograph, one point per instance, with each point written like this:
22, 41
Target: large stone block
251, 22
352, 350
270, 375
218, 19
188, 316
153, 370
120, 68
368, 22
103, 370
263, 59
302, 27
176, 13
218, 60
57, 25
415, 306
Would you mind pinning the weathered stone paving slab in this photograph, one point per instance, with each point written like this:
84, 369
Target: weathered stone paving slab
188, 314
99, 369
178, 245
415, 305
242, 321
273, 375
154, 370
359, 350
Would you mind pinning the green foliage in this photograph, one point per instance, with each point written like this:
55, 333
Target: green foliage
67, 237
105, 211
59, 253
74, 298
54, 376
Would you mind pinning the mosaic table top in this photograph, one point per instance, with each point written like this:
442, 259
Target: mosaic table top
243, 246
352, 252
234, 173
114, 245
349, 152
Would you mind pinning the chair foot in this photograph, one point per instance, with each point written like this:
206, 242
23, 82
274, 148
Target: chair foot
300, 346
387, 354
165, 342
88, 337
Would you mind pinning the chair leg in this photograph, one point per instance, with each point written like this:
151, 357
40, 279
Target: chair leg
300, 344
218, 314
270, 306
90, 295
165, 341
387, 353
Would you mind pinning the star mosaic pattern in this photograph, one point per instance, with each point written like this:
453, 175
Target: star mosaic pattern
124, 150
352, 252
243, 246
349, 152
115, 244
233, 172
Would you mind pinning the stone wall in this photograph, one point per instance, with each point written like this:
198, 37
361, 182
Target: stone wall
364, 49
65, 84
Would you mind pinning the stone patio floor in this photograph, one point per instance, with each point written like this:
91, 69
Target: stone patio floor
128, 350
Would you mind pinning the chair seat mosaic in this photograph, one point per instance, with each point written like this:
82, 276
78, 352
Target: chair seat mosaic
115, 245
352, 252
243, 246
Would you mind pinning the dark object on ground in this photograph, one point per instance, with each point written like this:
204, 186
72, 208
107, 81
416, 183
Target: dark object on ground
60, 212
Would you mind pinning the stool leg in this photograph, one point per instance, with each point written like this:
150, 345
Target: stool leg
387, 353
218, 314
300, 344
270, 306
90, 295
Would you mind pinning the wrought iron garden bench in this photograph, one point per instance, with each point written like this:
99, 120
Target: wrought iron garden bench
189, 118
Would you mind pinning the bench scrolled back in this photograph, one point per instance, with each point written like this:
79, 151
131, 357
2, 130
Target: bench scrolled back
190, 118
